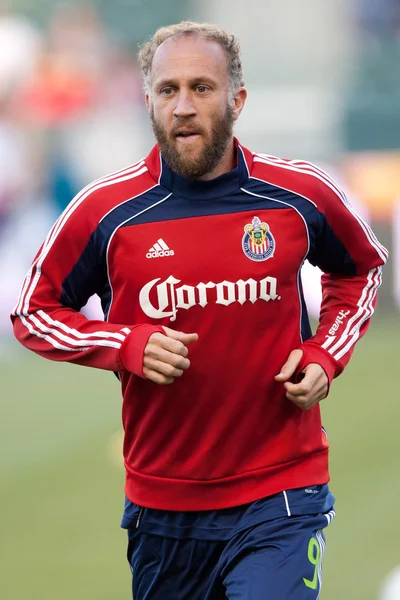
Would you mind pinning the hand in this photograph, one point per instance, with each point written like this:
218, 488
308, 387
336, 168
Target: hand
165, 355
311, 389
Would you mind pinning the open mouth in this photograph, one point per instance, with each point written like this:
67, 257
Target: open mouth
186, 135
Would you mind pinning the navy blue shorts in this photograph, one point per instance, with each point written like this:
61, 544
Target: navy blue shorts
279, 559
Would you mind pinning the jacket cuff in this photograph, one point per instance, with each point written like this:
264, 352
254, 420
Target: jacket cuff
132, 350
313, 353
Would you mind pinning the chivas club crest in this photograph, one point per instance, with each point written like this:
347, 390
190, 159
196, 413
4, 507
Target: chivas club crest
258, 242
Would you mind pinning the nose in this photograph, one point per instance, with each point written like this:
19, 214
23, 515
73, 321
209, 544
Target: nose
184, 106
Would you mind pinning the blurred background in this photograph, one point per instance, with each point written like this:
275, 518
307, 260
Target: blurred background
324, 85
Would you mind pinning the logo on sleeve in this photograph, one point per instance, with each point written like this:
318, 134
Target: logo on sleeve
258, 243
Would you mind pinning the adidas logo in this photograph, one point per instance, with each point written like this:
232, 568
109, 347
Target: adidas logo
159, 249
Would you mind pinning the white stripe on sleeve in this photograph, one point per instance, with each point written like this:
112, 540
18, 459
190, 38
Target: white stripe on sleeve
54, 333
78, 334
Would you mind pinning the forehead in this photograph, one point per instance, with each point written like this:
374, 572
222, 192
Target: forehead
187, 57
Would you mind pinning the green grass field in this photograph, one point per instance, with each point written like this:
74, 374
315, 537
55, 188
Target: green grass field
61, 493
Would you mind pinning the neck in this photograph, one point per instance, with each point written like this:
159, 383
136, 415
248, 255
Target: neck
226, 164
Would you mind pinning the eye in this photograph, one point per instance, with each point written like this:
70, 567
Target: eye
202, 89
167, 91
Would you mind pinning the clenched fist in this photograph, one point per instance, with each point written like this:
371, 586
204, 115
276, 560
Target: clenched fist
312, 387
165, 356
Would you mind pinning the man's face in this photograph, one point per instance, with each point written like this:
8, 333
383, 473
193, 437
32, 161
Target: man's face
189, 109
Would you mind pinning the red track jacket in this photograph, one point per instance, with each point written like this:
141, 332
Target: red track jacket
221, 258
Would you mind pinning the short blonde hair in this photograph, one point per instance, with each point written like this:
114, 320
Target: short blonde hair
229, 43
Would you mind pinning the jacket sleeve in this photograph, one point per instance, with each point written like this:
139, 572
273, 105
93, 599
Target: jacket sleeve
67, 270
345, 248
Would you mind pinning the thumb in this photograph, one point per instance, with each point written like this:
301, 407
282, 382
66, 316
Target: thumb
290, 366
185, 338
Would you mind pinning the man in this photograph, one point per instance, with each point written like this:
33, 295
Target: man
196, 251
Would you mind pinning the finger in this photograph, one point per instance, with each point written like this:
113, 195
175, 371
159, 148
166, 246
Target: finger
309, 383
157, 377
306, 401
159, 353
299, 392
290, 366
298, 389
185, 338
158, 340
161, 367
300, 403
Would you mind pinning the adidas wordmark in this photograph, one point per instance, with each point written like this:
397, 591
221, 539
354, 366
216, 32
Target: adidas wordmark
159, 249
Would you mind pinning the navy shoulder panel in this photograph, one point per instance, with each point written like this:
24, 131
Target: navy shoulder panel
326, 249
89, 274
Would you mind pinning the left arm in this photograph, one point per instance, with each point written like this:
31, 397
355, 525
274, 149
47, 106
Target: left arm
346, 249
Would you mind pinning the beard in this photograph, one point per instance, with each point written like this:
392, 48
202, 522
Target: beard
195, 165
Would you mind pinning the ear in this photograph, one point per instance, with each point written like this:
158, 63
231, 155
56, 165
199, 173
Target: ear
148, 101
239, 100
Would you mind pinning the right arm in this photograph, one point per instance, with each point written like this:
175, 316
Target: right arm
68, 269
65, 273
